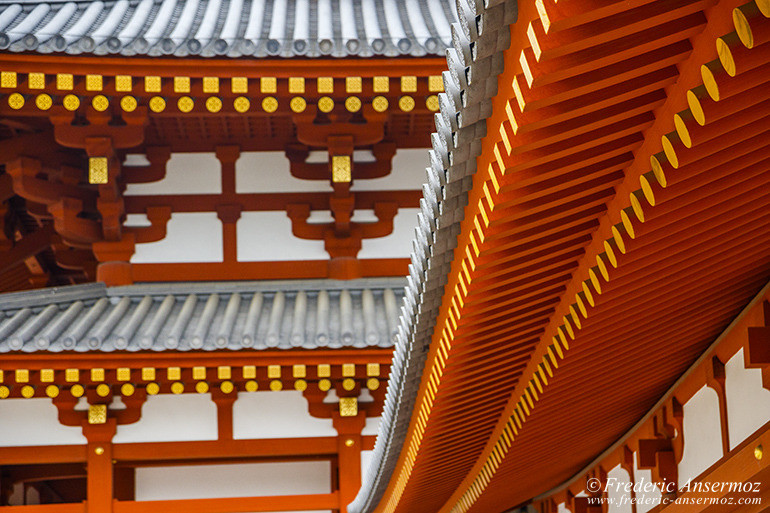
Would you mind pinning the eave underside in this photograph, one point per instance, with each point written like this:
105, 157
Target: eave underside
565, 258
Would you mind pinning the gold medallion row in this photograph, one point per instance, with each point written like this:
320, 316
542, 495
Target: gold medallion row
214, 104
76, 386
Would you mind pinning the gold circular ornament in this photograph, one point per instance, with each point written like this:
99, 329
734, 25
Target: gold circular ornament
251, 386
157, 104
269, 104
353, 104
349, 442
380, 103
324, 385
432, 103
71, 102
276, 385
406, 103
177, 388
298, 104
241, 104
127, 389
325, 104
348, 384
185, 104
227, 387
372, 383
300, 385
27, 391
201, 387
4, 392
100, 103
16, 101
77, 390
213, 104
152, 388
128, 103
99, 451
52, 391
758, 452
103, 390
43, 101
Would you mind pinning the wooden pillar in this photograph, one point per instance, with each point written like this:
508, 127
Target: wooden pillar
99, 498
229, 211
349, 456
224, 404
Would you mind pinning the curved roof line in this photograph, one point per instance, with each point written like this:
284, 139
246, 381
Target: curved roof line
475, 59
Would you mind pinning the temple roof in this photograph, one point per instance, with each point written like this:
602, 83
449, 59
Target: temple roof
207, 316
470, 84
233, 28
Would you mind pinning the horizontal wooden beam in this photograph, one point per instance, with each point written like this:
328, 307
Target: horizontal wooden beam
78, 507
38, 455
36, 361
147, 452
265, 202
254, 68
230, 504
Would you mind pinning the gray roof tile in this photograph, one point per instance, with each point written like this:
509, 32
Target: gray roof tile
183, 317
234, 28
474, 63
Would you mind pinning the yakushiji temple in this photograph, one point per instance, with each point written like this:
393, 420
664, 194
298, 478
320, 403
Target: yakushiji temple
384, 256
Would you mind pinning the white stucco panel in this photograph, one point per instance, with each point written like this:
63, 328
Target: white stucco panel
173, 418
34, 422
748, 403
702, 434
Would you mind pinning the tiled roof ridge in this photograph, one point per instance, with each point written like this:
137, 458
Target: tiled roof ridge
475, 60
202, 316
238, 28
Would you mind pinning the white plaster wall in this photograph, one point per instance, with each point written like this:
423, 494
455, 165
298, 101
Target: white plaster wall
281, 414
190, 237
645, 501
408, 173
186, 173
269, 172
748, 403
616, 490
34, 422
173, 418
372, 426
702, 434
266, 236
237, 480
396, 245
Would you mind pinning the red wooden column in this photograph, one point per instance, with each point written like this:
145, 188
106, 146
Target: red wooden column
99, 465
349, 455
229, 211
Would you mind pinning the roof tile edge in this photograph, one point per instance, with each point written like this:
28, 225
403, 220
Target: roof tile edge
460, 124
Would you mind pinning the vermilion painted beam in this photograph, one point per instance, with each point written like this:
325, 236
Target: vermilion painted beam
266, 202
182, 451
280, 68
230, 358
242, 449
25, 455
274, 270
231, 505
46, 508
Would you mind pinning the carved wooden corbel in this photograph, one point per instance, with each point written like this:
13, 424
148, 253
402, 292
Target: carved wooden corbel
757, 350
154, 172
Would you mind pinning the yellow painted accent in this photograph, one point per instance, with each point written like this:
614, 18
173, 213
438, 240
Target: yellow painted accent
381, 84
124, 83
211, 85
94, 83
